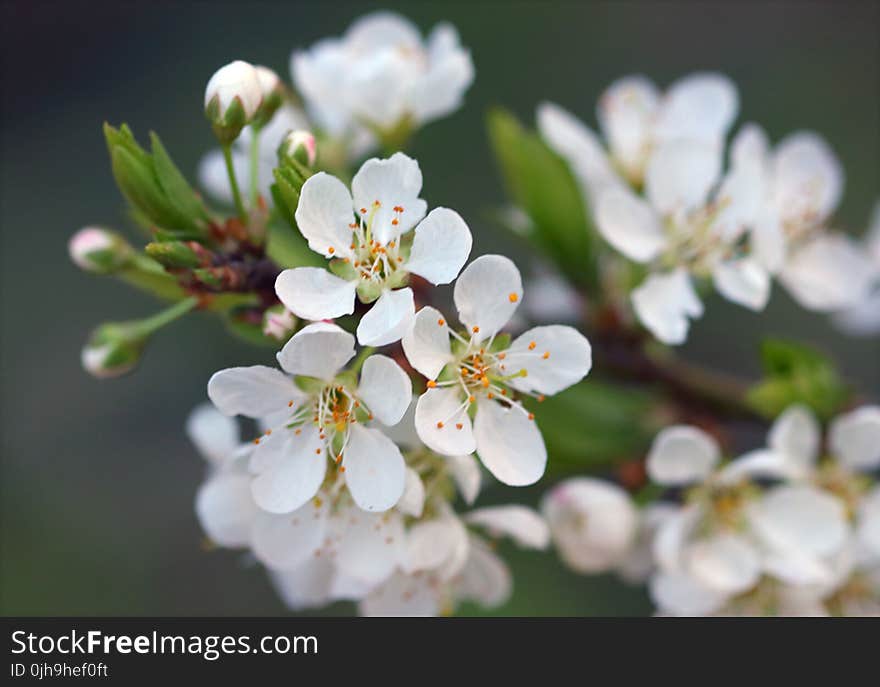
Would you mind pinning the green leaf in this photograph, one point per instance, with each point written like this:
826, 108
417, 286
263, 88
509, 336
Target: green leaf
541, 184
178, 192
796, 373
595, 423
288, 248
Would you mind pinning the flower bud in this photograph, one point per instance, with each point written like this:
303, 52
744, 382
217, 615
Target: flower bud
301, 146
273, 95
232, 98
98, 250
279, 323
179, 254
112, 351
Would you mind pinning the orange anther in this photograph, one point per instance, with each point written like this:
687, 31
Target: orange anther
471, 399
476, 330
458, 425
546, 355
484, 380
363, 211
441, 321
432, 384
502, 356
298, 432
331, 250
257, 440
531, 416
318, 451
513, 297
532, 345
290, 404
439, 425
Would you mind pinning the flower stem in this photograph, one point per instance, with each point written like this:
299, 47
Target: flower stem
233, 183
149, 325
365, 353
255, 158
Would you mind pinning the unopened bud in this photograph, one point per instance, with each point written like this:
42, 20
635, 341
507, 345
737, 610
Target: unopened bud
98, 250
272, 89
179, 254
112, 351
279, 323
232, 98
301, 146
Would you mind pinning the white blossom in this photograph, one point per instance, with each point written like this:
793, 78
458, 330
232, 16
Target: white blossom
593, 523
380, 74
480, 371
863, 319
326, 416
365, 234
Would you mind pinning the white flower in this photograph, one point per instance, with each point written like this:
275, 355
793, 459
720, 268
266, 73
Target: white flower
593, 523
483, 372
365, 235
236, 84
329, 549
635, 119
212, 168
444, 564
327, 416
691, 224
822, 270
728, 534
95, 249
638, 564
224, 505
863, 319
381, 73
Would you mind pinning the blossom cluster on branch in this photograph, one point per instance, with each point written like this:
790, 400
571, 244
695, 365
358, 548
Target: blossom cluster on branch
354, 473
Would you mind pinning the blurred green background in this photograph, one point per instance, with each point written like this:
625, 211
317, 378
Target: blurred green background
98, 478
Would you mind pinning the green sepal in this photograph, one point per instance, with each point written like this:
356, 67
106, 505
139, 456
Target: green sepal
310, 385
343, 269
501, 343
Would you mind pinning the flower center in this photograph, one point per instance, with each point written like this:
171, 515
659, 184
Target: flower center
374, 262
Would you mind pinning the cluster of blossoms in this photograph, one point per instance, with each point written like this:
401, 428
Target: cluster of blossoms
790, 529
661, 197
349, 487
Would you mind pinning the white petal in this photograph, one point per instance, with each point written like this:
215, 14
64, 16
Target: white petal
487, 293
663, 304
450, 71
444, 407
402, 596
317, 350
324, 214
807, 178
485, 578
413, 500
796, 436
682, 455
683, 596
577, 144
305, 586
570, 358
854, 438
509, 444
255, 391
768, 240
760, 464
431, 543
292, 474
440, 247
674, 534
868, 529
426, 344
385, 388
700, 106
862, 319
680, 175
215, 435
388, 319
374, 469
395, 182
726, 563
371, 547
743, 281
626, 113
523, 525
629, 224
285, 541
800, 517
831, 272
593, 523
314, 294
466, 473
226, 509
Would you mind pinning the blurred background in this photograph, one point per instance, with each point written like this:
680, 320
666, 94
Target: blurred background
98, 478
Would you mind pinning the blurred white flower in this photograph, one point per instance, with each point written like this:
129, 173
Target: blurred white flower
236, 84
593, 523
692, 224
327, 416
212, 169
444, 564
863, 319
363, 233
381, 74
483, 370
728, 533
635, 119
822, 270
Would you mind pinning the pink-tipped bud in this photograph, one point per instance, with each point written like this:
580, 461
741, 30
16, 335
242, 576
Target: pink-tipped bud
98, 250
301, 145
